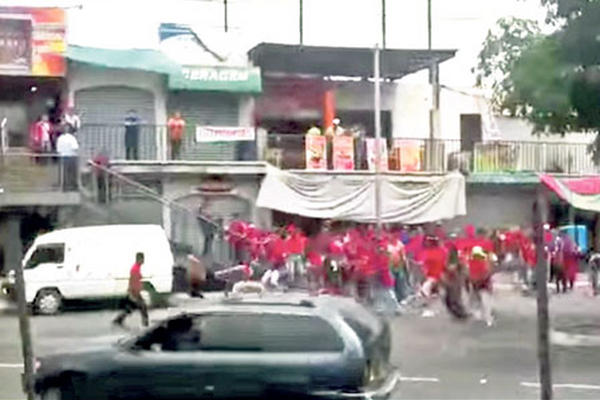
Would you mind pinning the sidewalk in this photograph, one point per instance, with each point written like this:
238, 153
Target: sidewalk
507, 281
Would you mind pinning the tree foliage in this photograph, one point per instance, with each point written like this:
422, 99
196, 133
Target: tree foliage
552, 80
502, 47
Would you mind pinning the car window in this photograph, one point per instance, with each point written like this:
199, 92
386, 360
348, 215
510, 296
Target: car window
268, 333
363, 332
47, 253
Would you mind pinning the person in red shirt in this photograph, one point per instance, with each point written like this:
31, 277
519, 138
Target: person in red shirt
480, 274
134, 298
176, 126
433, 258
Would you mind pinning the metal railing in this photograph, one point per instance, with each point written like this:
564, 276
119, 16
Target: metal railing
288, 151
559, 157
153, 144
38, 173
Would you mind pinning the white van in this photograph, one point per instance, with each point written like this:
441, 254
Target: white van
94, 262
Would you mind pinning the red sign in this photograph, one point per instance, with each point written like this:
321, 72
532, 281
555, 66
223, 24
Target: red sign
316, 152
32, 41
343, 153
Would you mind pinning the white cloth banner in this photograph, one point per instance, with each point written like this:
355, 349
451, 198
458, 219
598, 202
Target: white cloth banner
405, 199
224, 134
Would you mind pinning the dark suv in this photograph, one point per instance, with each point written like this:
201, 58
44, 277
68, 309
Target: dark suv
321, 347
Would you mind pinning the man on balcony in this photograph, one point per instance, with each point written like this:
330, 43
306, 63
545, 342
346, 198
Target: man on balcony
176, 126
132, 133
67, 148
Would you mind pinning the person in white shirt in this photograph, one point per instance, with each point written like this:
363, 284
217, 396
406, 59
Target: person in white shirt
72, 121
67, 148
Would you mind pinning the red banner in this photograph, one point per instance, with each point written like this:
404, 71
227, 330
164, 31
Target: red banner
316, 152
343, 153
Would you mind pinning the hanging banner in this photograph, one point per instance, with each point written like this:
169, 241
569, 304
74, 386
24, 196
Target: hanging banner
207, 134
410, 154
316, 152
371, 154
343, 153
32, 41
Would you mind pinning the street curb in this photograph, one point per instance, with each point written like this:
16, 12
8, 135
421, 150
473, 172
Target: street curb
566, 339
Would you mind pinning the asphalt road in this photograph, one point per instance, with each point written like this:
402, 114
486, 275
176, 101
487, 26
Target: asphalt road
439, 358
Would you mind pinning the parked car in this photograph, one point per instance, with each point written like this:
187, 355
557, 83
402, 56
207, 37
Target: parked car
93, 263
319, 348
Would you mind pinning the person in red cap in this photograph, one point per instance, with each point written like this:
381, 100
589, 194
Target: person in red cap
480, 274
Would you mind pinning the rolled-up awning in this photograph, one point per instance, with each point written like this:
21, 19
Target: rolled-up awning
582, 193
413, 199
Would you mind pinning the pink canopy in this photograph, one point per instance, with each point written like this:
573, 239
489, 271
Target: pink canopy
581, 193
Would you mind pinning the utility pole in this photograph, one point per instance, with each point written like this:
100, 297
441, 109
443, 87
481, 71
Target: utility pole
540, 209
301, 21
429, 25
24, 329
226, 22
377, 117
383, 27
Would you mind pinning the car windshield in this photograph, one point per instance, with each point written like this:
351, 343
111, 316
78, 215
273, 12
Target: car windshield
53, 253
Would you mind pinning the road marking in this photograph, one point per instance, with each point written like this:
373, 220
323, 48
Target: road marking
418, 379
8, 365
564, 386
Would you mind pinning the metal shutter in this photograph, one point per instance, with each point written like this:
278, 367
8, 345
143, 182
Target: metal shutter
205, 108
102, 111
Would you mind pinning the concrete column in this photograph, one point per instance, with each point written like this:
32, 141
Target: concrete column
13, 247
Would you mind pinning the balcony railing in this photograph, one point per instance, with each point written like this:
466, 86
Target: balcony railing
288, 151
560, 157
153, 144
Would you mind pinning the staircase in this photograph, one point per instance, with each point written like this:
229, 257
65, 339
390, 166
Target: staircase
21, 172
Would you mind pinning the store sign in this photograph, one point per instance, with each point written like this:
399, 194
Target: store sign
316, 152
32, 41
230, 79
208, 134
343, 153
371, 154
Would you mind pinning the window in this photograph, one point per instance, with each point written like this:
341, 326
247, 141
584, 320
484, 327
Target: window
268, 333
47, 253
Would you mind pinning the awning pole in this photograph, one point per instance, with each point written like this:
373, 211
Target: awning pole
377, 116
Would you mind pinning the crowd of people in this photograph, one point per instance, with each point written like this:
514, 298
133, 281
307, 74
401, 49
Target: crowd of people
391, 267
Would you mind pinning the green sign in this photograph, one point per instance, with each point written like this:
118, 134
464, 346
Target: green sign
222, 79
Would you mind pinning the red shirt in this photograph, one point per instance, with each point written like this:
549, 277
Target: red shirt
135, 279
478, 269
434, 262
176, 127
296, 243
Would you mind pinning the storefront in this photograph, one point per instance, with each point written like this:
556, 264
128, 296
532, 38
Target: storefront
309, 86
32, 69
211, 96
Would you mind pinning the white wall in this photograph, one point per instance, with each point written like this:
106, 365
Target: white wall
85, 77
360, 96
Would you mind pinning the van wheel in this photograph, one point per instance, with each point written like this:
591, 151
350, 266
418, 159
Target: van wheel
48, 302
